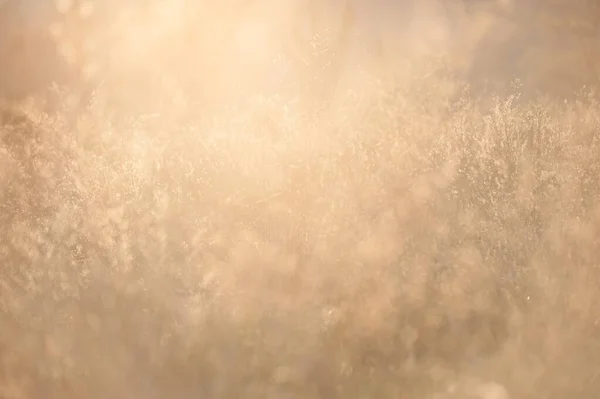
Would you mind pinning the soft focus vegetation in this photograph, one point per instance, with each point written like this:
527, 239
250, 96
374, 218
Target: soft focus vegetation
408, 239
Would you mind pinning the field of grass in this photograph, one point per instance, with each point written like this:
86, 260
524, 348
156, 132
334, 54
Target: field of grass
411, 246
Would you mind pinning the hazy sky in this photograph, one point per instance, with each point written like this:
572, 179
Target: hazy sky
390, 31
374, 18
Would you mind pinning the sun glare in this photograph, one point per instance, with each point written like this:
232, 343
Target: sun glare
257, 199
141, 36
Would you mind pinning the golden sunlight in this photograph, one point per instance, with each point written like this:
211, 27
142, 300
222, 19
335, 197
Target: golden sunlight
299, 199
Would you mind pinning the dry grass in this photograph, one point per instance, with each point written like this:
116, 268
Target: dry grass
403, 241
397, 252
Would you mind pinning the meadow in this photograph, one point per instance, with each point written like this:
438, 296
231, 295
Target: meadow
408, 241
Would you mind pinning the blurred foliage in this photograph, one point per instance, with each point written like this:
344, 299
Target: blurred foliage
417, 237
550, 46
